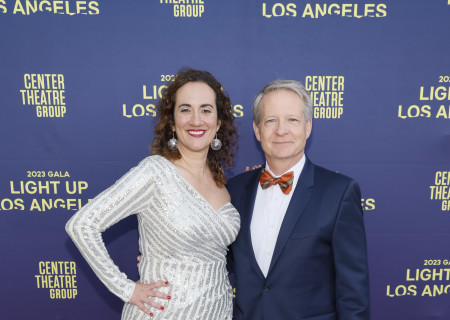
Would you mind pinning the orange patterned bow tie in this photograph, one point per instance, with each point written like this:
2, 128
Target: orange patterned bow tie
285, 181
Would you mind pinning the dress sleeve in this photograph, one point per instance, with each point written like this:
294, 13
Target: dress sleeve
126, 197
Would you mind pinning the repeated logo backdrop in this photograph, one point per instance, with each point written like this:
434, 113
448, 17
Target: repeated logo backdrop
79, 81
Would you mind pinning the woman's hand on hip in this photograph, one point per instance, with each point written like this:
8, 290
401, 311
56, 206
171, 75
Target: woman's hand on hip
144, 293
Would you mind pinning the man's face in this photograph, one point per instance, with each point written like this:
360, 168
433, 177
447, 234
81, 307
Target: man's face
282, 130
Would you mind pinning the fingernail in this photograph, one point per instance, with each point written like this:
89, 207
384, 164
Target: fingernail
167, 282
168, 297
162, 308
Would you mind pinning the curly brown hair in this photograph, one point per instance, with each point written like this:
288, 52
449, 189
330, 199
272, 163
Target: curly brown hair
227, 132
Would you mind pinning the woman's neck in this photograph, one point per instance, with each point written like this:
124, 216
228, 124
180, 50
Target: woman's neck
195, 163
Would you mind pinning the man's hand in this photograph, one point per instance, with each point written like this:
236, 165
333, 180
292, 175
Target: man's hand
253, 168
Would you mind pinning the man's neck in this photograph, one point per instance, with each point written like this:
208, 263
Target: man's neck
280, 166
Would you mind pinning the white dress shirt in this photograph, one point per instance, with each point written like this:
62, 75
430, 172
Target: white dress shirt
268, 214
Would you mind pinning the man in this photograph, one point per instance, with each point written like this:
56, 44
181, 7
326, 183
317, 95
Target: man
301, 250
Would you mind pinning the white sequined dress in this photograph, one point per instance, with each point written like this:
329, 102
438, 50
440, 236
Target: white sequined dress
182, 237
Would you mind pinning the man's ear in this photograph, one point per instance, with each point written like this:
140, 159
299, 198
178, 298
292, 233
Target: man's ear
308, 128
256, 130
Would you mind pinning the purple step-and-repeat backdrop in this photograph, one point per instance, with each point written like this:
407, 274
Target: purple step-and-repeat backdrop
79, 81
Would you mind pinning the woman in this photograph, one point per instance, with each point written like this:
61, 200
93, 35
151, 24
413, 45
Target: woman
185, 218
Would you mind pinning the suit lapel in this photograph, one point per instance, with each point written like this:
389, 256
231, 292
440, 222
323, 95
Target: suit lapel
299, 200
248, 201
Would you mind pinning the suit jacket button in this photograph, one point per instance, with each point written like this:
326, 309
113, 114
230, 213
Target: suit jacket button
266, 288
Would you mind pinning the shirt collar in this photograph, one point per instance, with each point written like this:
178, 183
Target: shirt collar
297, 168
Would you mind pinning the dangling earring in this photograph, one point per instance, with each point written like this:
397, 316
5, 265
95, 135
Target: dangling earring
216, 144
173, 143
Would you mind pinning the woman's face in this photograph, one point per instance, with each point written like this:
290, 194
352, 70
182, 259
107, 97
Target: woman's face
195, 117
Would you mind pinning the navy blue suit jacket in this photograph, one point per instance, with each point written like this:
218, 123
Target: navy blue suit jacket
319, 265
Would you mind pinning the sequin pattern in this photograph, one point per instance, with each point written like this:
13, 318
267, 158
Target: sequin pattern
182, 237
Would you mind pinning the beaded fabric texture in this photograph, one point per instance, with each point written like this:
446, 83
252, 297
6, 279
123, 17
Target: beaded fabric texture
182, 237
